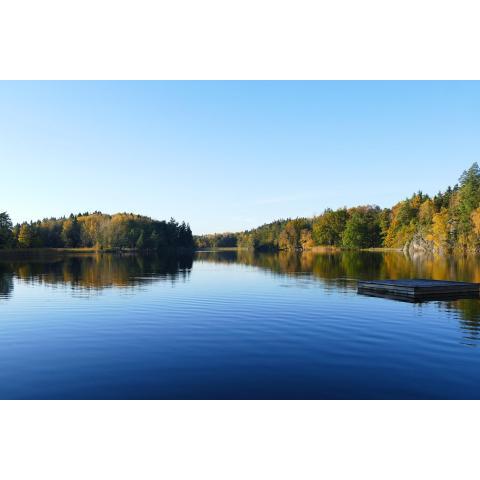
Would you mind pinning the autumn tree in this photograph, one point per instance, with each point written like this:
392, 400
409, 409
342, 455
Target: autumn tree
425, 213
290, 237
25, 236
306, 239
71, 232
123, 230
440, 230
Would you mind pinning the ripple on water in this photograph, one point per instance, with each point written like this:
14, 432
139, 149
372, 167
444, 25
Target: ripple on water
225, 330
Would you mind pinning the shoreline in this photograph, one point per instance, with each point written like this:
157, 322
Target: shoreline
52, 250
317, 249
87, 250
93, 250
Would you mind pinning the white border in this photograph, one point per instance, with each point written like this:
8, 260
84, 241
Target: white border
238, 440
248, 39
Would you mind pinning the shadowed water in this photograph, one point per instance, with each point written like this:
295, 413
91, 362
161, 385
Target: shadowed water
233, 325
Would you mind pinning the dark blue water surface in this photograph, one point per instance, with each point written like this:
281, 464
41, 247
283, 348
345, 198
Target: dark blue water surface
232, 325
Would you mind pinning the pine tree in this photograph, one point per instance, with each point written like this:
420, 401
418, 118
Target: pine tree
469, 197
6, 226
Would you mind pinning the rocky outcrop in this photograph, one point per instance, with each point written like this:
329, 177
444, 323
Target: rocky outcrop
419, 244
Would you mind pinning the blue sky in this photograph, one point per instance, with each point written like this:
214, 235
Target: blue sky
227, 156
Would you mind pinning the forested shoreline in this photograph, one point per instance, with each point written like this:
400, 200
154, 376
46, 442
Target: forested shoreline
448, 222
97, 231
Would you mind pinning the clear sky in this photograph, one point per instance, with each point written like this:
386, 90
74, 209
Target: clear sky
226, 156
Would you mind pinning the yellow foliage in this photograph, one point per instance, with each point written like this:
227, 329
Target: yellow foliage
426, 212
475, 216
439, 234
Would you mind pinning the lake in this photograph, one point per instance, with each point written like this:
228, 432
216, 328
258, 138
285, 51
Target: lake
233, 325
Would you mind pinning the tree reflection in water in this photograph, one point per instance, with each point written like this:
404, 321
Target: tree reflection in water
96, 271
340, 269
336, 270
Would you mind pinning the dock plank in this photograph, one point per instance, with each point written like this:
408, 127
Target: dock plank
419, 288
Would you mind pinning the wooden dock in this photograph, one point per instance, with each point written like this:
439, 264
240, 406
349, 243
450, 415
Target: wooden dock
419, 289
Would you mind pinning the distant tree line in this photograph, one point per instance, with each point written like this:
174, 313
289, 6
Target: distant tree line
96, 230
358, 227
446, 222
216, 240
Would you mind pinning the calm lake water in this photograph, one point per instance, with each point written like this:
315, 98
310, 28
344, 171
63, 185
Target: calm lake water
228, 325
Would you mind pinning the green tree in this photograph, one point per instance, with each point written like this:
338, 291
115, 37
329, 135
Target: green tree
384, 221
468, 197
362, 230
6, 236
406, 213
328, 228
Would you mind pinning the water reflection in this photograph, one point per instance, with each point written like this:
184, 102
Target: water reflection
6, 283
335, 265
283, 325
93, 272
336, 270
340, 270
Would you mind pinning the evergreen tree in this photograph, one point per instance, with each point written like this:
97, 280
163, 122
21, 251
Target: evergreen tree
469, 197
189, 238
6, 236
